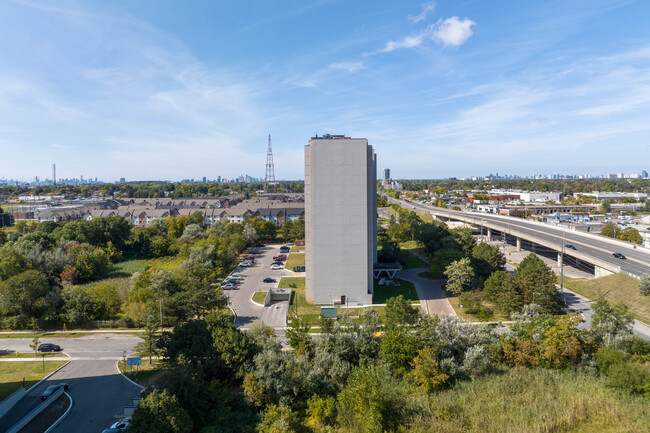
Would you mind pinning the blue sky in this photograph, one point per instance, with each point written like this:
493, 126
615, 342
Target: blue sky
165, 89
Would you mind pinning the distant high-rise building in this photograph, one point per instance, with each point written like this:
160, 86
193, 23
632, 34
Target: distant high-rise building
644, 174
204, 179
54, 174
340, 219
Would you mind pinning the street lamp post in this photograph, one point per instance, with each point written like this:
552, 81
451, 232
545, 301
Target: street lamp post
562, 262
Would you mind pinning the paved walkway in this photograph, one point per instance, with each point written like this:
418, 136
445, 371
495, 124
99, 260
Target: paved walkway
432, 298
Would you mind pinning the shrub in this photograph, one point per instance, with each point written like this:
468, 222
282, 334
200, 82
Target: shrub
629, 377
644, 285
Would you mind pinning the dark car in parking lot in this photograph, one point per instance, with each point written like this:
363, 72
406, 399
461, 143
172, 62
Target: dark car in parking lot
285, 249
49, 347
268, 280
618, 255
52, 389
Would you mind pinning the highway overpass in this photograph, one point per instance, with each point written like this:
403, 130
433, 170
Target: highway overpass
592, 252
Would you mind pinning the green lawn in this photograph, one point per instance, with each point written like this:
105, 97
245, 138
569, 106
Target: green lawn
12, 373
405, 288
298, 304
165, 263
259, 297
126, 269
147, 374
616, 288
297, 259
296, 249
412, 256
30, 354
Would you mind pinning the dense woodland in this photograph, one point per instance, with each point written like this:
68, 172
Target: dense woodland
83, 271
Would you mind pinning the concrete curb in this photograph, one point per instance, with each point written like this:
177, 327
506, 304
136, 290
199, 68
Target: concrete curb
50, 428
257, 303
46, 377
117, 366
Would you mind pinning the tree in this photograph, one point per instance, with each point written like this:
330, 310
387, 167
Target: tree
24, 295
91, 263
460, 276
533, 276
443, 258
279, 419
160, 412
398, 348
298, 335
644, 285
426, 370
487, 259
500, 289
35, 343
611, 324
12, 262
400, 312
150, 344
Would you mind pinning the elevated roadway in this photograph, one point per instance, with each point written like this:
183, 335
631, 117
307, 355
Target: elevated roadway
590, 249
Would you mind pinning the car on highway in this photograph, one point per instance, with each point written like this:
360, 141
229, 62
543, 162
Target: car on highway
49, 347
52, 389
268, 280
618, 255
246, 264
569, 246
276, 266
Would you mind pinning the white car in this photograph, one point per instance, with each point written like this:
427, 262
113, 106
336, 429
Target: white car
245, 264
228, 285
235, 277
276, 266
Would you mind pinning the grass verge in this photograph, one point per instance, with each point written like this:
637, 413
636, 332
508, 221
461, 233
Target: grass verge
405, 288
259, 297
12, 374
616, 288
15, 355
297, 259
146, 374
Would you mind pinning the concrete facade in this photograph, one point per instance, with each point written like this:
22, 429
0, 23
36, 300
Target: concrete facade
340, 219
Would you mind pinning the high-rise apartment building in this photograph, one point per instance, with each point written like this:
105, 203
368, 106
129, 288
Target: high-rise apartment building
340, 219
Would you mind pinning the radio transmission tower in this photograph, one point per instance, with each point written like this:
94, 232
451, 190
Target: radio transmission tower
269, 179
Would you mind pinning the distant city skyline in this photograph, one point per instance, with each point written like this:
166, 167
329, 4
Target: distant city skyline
166, 90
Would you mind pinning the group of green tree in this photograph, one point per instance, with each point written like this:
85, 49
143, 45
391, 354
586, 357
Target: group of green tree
150, 189
629, 234
567, 186
45, 269
373, 375
474, 272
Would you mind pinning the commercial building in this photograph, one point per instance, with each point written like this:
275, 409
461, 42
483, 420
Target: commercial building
340, 219
385, 178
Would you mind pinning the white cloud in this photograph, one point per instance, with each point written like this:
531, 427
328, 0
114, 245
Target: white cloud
348, 66
408, 42
452, 32
427, 8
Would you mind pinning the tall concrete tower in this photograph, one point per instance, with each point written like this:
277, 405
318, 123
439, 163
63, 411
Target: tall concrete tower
340, 219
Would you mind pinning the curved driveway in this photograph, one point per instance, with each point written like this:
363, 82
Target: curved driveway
432, 298
98, 391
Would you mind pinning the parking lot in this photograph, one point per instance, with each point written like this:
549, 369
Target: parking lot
240, 297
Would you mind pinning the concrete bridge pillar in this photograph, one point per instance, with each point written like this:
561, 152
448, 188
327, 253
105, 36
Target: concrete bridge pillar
518, 244
489, 234
601, 272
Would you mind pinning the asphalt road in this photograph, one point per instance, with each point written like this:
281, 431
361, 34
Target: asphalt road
432, 298
97, 390
240, 298
637, 262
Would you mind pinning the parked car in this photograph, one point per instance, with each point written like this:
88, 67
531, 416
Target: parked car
281, 258
49, 347
260, 245
569, 246
236, 277
276, 266
245, 264
52, 389
119, 426
250, 257
228, 285
268, 280
618, 255
285, 249
255, 251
